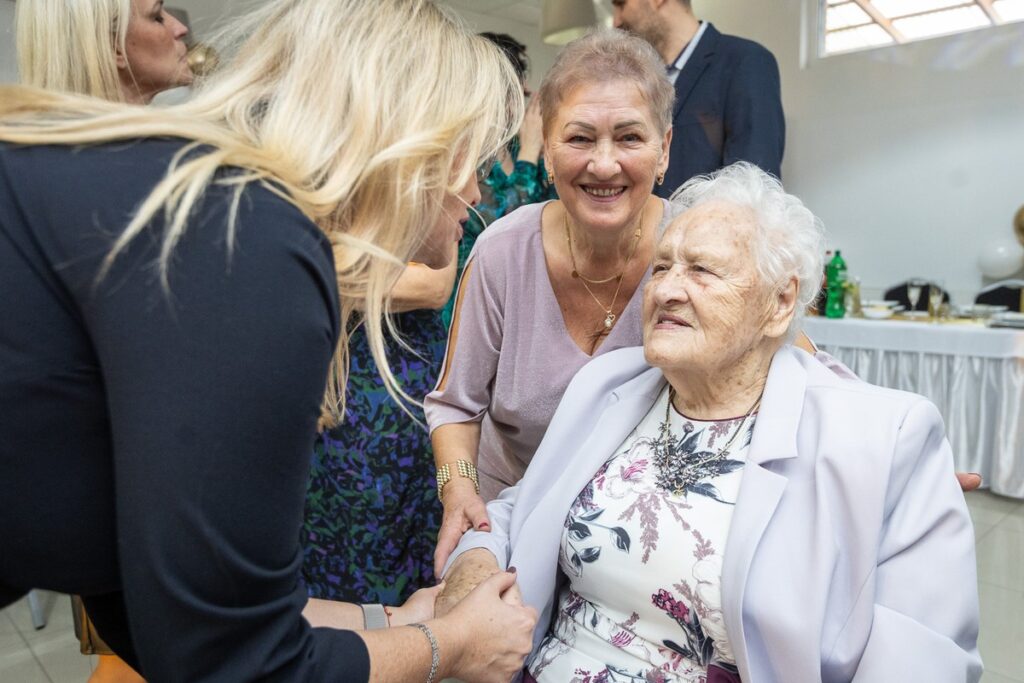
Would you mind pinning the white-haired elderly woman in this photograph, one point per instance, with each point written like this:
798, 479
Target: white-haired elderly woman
718, 505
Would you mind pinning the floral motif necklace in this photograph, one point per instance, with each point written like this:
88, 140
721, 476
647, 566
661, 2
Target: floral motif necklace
681, 472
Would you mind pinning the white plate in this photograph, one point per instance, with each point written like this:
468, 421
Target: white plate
915, 314
877, 303
877, 313
1009, 316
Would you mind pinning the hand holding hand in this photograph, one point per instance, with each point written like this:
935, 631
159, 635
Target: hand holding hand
494, 629
418, 608
464, 509
467, 572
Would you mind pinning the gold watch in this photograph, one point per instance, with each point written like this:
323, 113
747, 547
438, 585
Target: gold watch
465, 469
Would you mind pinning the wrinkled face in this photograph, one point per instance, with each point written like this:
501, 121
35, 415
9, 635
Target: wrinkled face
605, 151
705, 305
640, 18
436, 250
155, 53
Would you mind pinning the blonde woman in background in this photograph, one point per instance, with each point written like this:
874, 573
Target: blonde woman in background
118, 50
178, 308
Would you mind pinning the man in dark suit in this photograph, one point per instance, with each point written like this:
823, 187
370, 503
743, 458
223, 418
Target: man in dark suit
728, 101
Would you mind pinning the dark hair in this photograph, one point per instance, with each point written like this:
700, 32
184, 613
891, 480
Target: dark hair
513, 49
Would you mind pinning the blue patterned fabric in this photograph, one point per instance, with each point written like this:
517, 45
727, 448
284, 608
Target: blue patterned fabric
372, 512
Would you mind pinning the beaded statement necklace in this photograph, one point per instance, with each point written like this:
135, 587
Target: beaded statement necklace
609, 318
676, 474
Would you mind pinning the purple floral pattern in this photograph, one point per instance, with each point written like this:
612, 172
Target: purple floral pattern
631, 611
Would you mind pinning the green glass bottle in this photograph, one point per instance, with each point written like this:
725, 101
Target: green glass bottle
835, 275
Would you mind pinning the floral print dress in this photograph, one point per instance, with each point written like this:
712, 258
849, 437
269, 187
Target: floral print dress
644, 565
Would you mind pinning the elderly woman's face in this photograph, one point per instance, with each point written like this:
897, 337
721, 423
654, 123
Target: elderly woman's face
605, 150
705, 305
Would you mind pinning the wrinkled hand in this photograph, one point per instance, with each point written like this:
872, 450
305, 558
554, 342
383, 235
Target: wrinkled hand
531, 133
464, 509
494, 629
418, 608
472, 568
968, 480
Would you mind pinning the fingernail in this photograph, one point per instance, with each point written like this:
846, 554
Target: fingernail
511, 570
975, 474
484, 525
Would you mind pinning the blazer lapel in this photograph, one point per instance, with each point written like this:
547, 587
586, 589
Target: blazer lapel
582, 459
761, 489
695, 67
616, 422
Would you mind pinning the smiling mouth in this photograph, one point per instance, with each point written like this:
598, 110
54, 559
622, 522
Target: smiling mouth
603, 192
673, 320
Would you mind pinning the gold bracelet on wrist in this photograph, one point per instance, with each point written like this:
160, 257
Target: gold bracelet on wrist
464, 468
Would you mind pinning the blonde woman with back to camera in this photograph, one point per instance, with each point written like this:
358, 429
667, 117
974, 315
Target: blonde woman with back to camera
185, 277
67, 46
118, 50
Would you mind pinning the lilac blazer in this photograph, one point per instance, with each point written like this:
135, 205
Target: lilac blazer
851, 553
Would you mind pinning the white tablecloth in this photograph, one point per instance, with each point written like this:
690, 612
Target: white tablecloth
975, 375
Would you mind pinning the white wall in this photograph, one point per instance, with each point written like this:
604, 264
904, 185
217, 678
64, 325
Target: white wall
8, 57
912, 155
541, 56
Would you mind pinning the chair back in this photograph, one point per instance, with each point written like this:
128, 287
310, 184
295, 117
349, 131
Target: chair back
1009, 293
899, 293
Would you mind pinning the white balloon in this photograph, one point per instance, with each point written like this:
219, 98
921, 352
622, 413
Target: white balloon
1001, 258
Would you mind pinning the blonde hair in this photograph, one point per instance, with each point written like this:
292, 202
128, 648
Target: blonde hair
605, 55
364, 115
69, 45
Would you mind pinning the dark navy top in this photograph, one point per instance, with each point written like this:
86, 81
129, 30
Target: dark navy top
154, 444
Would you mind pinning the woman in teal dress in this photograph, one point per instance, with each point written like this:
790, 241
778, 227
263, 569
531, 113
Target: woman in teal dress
515, 179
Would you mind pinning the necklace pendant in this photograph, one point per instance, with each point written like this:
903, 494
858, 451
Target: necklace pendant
609, 319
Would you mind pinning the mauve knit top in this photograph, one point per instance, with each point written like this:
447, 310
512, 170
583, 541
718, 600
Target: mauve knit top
510, 357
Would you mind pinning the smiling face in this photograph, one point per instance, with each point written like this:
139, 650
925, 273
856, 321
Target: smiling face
155, 56
436, 249
705, 306
605, 151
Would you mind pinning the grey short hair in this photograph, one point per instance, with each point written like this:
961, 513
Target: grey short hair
790, 240
604, 55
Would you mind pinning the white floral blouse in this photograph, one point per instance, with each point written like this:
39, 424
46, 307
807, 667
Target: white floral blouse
643, 598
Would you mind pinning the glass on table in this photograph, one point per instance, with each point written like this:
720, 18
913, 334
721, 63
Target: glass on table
935, 296
914, 288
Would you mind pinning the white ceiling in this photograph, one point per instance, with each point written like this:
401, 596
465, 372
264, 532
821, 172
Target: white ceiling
523, 11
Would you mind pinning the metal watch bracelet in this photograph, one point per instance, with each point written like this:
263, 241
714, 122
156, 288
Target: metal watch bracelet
374, 617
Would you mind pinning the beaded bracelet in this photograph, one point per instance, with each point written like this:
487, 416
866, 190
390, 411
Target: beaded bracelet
435, 651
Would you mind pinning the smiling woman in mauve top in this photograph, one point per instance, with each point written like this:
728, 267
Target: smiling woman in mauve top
551, 286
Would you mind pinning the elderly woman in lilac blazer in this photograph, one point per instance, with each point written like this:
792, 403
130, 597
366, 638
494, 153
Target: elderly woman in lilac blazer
719, 505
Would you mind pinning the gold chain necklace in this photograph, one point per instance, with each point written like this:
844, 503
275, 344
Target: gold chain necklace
609, 318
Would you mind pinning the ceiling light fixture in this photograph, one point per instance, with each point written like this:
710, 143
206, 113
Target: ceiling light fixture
563, 21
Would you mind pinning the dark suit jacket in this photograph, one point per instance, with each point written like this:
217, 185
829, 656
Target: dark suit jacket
728, 108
